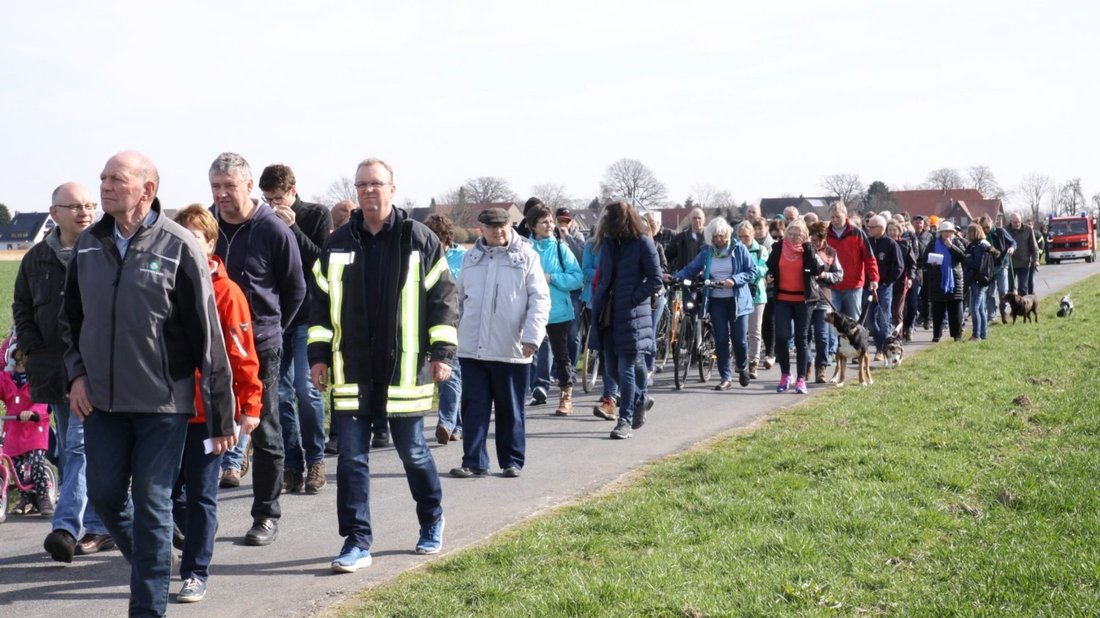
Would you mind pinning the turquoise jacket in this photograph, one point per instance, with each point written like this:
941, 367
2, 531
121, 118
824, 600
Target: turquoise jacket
565, 276
454, 259
759, 254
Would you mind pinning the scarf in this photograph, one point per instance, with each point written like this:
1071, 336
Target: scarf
53, 241
723, 252
791, 251
947, 267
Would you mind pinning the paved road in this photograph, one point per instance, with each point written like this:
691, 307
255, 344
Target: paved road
568, 458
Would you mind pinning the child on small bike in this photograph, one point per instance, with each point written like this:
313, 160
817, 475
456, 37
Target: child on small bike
26, 440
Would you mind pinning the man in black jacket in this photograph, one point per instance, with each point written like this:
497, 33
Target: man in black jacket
685, 245
37, 302
891, 266
303, 425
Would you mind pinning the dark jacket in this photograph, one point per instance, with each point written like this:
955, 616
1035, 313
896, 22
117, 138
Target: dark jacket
263, 258
683, 249
933, 277
138, 327
1027, 248
312, 225
35, 309
891, 261
420, 303
630, 267
811, 268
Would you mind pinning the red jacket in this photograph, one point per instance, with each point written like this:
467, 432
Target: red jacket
853, 249
236, 322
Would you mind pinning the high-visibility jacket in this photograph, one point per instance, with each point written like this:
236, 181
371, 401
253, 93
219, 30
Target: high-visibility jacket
425, 305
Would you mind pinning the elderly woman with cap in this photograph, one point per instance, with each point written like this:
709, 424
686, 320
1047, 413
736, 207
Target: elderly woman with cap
505, 306
943, 263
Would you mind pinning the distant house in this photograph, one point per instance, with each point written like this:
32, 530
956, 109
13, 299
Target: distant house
960, 206
675, 218
772, 207
25, 229
586, 219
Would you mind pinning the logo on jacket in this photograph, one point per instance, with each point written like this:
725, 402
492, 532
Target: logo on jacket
153, 267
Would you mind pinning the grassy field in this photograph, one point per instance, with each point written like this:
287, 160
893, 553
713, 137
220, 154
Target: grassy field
962, 484
8, 270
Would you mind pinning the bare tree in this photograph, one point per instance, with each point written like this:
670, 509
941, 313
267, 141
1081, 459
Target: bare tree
847, 187
1032, 190
486, 189
631, 180
1071, 200
982, 179
723, 200
945, 178
1095, 203
553, 195
341, 189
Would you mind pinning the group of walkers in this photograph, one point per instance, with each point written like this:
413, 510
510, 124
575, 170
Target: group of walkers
177, 354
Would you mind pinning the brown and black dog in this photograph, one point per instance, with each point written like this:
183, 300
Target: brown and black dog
1026, 306
853, 343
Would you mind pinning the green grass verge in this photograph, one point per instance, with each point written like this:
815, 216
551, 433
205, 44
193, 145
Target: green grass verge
963, 483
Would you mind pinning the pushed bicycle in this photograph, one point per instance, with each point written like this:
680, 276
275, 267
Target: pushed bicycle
691, 335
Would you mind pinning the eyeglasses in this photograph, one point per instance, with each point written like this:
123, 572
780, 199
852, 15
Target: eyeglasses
375, 185
89, 207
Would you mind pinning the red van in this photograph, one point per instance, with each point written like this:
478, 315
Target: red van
1070, 238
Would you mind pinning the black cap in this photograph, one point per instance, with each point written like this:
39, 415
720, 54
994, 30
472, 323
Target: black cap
563, 213
493, 216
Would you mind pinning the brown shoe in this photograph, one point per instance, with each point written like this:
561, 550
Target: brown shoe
752, 370
45, 505
819, 374
606, 410
61, 545
442, 434
293, 481
93, 543
315, 477
230, 478
565, 404
247, 458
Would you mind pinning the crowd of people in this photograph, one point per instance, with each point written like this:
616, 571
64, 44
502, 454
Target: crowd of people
175, 355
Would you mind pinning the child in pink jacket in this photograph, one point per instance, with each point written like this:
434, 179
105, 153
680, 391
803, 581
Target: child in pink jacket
26, 440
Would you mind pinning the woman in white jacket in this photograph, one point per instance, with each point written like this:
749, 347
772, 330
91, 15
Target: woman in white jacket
504, 303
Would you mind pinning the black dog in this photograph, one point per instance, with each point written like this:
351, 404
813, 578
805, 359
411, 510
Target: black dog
1026, 306
1065, 307
853, 344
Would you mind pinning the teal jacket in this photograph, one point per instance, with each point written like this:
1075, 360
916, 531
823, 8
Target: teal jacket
759, 254
565, 276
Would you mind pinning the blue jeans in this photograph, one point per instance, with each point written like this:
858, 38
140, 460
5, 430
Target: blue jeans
825, 339
450, 394
726, 322
1025, 280
786, 311
658, 310
195, 503
882, 319
848, 302
995, 291
487, 385
610, 375
72, 503
978, 314
133, 462
353, 468
304, 427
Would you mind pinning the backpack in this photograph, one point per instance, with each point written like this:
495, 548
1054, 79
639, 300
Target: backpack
983, 274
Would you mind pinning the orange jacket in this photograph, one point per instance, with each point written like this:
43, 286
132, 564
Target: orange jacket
236, 322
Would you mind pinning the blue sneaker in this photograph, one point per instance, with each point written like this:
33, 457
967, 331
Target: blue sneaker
351, 559
431, 538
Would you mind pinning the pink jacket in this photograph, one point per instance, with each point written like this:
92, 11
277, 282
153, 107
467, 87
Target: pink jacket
23, 436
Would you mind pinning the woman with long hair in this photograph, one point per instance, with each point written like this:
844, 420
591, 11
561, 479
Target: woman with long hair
627, 277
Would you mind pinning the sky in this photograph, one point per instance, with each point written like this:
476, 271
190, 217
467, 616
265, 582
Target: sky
761, 101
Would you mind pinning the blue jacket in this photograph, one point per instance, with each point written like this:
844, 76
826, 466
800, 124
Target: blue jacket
636, 272
455, 253
744, 274
564, 277
263, 258
588, 268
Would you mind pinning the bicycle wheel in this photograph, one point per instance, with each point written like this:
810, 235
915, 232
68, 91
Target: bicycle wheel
51, 481
662, 335
3, 490
681, 353
706, 351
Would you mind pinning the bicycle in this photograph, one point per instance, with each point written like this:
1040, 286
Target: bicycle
9, 475
662, 335
692, 340
590, 359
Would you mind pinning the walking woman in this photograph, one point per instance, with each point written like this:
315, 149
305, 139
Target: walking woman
976, 248
943, 260
825, 338
628, 275
746, 235
794, 266
728, 265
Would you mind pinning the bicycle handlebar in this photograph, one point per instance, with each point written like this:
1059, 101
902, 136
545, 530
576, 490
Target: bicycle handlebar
34, 418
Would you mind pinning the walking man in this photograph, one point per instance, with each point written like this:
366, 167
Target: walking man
382, 330
261, 256
139, 319
38, 294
